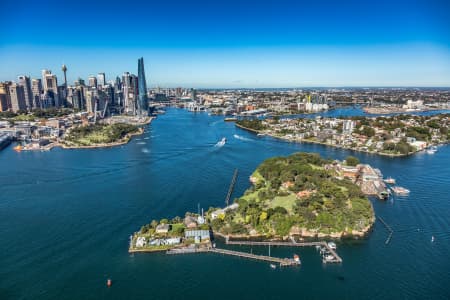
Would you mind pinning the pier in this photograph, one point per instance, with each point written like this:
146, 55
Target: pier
230, 189
283, 262
336, 259
389, 229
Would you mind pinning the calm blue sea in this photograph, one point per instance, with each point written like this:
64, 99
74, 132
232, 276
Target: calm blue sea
66, 216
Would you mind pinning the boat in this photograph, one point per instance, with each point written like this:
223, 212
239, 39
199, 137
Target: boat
230, 119
332, 245
389, 180
260, 134
221, 142
296, 258
317, 247
383, 195
109, 282
431, 150
398, 190
432, 238
328, 257
18, 148
273, 266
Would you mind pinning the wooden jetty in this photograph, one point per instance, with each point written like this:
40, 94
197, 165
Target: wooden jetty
230, 189
391, 231
283, 262
337, 258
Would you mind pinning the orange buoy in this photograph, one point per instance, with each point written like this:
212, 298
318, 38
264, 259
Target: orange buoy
109, 282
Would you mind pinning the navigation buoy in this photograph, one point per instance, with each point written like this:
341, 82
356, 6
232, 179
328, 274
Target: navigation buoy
109, 282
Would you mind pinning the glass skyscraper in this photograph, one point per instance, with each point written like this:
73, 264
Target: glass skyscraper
142, 85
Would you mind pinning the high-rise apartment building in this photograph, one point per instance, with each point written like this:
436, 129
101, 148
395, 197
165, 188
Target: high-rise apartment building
36, 90
5, 99
26, 83
17, 95
92, 80
101, 79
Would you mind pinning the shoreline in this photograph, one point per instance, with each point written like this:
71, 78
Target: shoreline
125, 140
329, 145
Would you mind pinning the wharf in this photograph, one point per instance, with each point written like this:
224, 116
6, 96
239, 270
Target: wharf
283, 262
337, 258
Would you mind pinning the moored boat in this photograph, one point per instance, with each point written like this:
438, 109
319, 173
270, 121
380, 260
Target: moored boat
297, 258
389, 180
18, 148
398, 190
332, 245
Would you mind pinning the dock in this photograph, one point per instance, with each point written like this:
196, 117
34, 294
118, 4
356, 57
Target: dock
231, 188
336, 259
389, 229
283, 262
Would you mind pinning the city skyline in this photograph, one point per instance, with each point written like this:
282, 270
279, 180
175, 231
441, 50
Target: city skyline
237, 45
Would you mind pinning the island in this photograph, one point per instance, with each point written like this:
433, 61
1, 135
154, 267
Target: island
393, 136
295, 197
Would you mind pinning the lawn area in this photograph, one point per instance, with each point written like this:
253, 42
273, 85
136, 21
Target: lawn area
284, 201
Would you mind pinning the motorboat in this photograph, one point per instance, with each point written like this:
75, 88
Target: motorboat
332, 245
398, 190
389, 180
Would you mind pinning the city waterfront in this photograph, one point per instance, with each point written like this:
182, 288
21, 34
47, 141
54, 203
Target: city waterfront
66, 216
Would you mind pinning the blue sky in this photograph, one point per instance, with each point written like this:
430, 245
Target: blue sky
232, 43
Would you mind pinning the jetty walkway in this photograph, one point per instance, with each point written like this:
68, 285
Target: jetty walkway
337, 258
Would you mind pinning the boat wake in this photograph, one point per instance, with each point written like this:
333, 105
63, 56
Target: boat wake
221, 143
145, 150
242, 138
141, 143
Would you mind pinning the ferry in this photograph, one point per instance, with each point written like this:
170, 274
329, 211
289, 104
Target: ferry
230, 119
398, 190
389, 180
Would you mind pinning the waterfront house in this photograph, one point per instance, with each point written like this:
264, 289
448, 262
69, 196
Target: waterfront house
162, 228
190, 222
140, 241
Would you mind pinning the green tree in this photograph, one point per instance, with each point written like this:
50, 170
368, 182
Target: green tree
351, 161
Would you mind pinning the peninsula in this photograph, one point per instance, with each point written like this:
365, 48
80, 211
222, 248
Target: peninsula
392, 136
299, 196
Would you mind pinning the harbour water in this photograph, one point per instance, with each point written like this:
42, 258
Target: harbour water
66, 215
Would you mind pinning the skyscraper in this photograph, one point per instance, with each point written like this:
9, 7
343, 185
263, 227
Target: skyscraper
101, 79
50, 84
25, 82
17, 94
92, 81
5, 99
36, 89
142, 85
